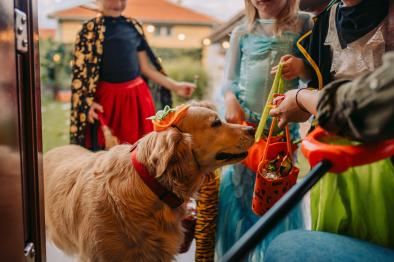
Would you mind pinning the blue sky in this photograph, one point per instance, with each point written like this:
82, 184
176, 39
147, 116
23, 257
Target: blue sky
221, 9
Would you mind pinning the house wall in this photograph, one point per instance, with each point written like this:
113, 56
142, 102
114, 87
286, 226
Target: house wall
214, 58
67, 30
194, 34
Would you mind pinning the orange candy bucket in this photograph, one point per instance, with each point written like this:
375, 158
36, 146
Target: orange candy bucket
275, 172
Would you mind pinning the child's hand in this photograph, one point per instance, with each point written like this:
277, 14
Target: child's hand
288, 110
92, 115
185, 89
293, 67
234, 112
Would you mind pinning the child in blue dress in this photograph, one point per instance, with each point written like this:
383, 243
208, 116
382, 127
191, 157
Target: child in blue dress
271, 32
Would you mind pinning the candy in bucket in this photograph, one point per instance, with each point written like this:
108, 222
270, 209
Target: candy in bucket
276, 173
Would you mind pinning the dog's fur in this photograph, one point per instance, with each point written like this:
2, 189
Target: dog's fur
99, 209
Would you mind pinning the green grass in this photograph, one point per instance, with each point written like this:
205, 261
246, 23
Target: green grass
55, 124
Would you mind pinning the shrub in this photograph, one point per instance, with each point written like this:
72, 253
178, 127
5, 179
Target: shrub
55, 61
167, 54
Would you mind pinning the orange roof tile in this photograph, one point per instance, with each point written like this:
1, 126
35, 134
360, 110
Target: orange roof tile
78, 13
146, 11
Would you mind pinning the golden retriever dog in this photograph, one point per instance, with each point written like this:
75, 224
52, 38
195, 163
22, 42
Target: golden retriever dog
99, 209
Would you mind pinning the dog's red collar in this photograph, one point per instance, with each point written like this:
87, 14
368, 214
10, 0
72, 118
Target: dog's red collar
168, 197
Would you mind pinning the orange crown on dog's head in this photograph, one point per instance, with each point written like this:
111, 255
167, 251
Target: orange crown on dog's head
168, 117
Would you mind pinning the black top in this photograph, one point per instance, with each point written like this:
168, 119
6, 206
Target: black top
121, 44
322, 53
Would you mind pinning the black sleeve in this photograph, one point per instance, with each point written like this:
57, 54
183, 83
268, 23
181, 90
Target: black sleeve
319, 52
362, 109
142, 46
307, 25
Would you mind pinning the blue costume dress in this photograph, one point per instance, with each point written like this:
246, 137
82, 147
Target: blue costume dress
251, 56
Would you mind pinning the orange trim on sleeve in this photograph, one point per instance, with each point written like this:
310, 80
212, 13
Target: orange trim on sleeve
310, 59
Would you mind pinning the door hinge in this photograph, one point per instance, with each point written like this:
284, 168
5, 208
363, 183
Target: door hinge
22, 44
30, 252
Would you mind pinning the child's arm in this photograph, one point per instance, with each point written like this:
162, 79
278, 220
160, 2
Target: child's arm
234, 112
294, 66
181, 88
362, 109
92, 115
297, 106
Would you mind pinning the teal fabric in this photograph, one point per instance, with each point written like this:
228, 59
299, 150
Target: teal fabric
251, 56
259, 55
235, 215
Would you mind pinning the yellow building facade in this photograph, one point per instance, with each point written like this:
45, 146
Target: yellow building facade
166, 25
179, 36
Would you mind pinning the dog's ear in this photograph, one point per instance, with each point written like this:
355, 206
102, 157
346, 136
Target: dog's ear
173, 153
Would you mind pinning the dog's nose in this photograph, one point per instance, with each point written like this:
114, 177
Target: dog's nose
250, 130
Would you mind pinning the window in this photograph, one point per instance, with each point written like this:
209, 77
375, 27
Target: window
158, 30
164, 31
168, 31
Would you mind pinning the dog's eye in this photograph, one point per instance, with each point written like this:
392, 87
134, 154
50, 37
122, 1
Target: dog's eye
216, 123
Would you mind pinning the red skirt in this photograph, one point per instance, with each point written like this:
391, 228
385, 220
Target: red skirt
126, 107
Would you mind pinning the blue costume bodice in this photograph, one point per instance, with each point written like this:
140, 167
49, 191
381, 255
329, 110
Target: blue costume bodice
250, 59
